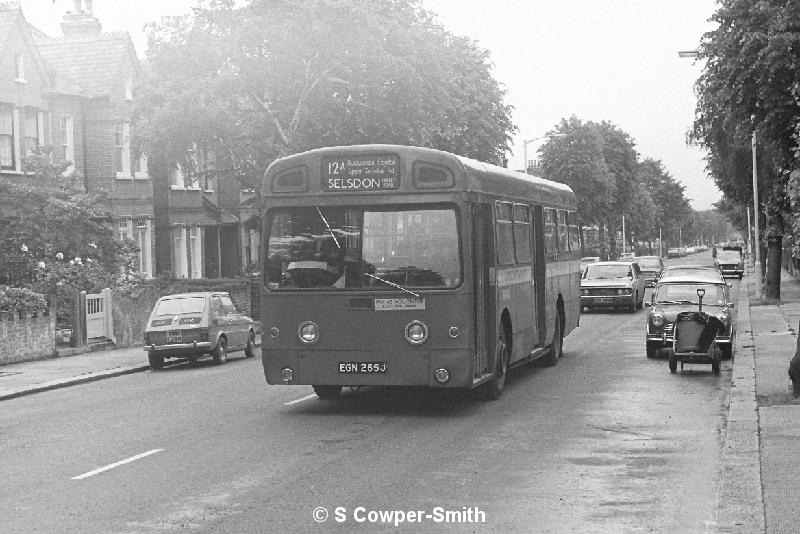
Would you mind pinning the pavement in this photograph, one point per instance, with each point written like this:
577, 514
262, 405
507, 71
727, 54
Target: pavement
761, 437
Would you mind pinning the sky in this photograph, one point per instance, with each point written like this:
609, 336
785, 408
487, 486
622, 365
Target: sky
612, 60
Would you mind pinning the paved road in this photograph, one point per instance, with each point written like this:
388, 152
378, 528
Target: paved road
606, 441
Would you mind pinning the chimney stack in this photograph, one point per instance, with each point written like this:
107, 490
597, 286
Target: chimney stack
81, 22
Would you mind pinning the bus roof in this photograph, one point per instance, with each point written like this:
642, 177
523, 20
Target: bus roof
475, 176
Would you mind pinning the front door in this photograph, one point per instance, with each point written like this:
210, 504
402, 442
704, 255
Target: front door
539, 276
485, 287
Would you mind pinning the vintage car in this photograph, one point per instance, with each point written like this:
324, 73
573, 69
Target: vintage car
651, 267
193, 325
679, 294
627, 256
730, 262
674, 253
612, 284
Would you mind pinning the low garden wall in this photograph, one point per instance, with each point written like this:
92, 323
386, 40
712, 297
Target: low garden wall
26, 336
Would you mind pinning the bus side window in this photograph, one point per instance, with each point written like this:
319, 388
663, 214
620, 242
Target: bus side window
505, 235
563, 240
550, 239
574, 234
522, 240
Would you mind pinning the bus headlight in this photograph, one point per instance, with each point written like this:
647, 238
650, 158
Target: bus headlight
308, 332
441, 375
416, 332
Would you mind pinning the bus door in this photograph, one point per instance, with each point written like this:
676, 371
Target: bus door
539, 266
485, 287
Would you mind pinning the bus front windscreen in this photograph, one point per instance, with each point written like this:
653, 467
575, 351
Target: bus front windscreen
356, 248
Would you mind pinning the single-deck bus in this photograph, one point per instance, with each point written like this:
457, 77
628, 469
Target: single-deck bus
390, 265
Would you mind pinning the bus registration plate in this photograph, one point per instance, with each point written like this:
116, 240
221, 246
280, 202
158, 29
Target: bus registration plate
362, 368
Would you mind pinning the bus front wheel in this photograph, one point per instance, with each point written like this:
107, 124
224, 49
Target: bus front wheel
327, 392
494, 387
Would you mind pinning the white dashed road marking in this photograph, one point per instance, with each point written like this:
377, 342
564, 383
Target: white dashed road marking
312, 396
116, 464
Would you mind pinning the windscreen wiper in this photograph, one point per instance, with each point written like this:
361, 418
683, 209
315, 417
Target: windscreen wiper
328, 226
398, 286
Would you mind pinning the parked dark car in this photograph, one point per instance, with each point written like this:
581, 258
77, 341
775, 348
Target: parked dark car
194, 325
730, 262
679, 294
651, 267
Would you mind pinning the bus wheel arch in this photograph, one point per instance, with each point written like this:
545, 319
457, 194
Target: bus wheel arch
502, 353
557, 346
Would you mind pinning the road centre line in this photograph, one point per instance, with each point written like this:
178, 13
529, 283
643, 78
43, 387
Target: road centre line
313, 395
116, 464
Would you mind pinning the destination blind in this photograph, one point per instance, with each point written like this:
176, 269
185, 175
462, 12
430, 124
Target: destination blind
361, 173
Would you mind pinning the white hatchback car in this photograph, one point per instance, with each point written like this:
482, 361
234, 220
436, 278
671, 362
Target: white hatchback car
612, 284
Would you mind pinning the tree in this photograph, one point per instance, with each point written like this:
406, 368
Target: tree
576, 159
277, 77
751, 82
54, 236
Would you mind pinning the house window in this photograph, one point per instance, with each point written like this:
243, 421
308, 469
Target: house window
122, 156
67, 136
6, 138
123, 229
31, 131
129, 89
139, 164
142, 238
19, 68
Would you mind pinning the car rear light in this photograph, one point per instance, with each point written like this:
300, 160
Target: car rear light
146, 338
202, 334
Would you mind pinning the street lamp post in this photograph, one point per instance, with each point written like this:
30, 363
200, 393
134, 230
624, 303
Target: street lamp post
525, 147
756, 239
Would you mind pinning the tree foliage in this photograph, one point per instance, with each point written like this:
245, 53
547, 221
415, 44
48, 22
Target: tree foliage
277, 77
55, 236
599, 162
751, 83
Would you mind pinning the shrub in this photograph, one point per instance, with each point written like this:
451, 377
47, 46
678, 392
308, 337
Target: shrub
16, 299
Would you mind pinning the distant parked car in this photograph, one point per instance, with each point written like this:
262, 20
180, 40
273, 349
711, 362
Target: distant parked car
651, 267
586, 260
627, 256
730, 262
612, 284
698, 272
674, 253
198, 324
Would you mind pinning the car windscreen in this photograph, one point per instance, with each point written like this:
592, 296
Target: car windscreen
338, 247
599, 272
687, 294
178, 306
648, 263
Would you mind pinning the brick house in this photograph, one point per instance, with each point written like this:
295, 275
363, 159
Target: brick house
75, 94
